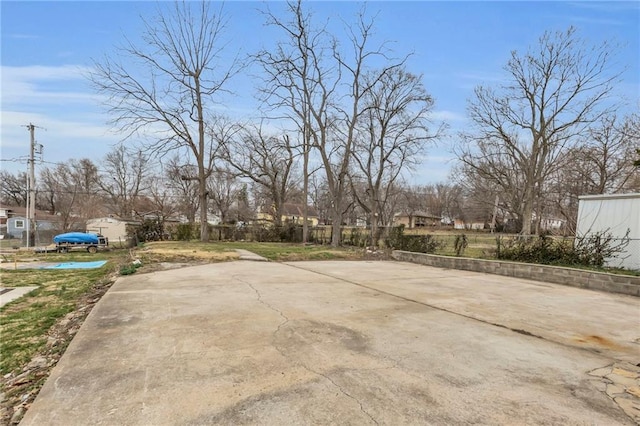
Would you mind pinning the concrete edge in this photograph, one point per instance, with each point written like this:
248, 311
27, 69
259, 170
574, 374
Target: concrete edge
247, 255
601, 281
9, 294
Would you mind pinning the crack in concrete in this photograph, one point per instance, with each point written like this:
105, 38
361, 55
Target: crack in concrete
345, 393
515, 330
295, 361
438, 308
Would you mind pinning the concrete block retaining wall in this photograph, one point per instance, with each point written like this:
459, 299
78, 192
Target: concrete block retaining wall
613, 283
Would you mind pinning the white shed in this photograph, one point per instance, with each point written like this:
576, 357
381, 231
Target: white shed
614, 214
115, 229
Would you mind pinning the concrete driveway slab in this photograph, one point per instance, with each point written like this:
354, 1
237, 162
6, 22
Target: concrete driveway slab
604, 323
332, 343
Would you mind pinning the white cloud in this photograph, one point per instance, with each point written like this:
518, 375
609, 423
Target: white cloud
58, 100
41, 72
33, 86
24, 36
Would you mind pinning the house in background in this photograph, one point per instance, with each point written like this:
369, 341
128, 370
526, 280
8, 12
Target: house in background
551, 224
114, 228
469, 224
14, 223
418, 219
292, 213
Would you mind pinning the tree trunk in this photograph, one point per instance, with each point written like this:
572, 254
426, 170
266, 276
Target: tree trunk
336, 228
305, 191
202, 176
527, 210
204, 223
374, 229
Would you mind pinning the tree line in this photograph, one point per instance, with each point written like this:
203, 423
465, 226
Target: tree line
342, 121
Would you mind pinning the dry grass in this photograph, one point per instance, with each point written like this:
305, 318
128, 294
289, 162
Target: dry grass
152, 253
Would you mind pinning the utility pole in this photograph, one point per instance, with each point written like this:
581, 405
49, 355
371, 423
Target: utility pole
31, 184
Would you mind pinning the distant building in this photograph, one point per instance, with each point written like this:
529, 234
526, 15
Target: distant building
418, 219
116, 229
552, 223
292, 213
13, 222
469, 224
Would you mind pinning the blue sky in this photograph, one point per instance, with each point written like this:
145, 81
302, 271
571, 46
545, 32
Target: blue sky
48, 46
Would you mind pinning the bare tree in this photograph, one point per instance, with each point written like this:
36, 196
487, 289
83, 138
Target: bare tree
13, 190
300, 81
170, 85
59, 193
162, 201
322, 89
268, 161
124, 179
320, 197
224, 188
392, 132
600, 164
184, 190
360, 82
553, 93
70, 191
603, 159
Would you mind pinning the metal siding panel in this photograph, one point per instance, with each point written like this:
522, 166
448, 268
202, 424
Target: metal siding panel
614, 215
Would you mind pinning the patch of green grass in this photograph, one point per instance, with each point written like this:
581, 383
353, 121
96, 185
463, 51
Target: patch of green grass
187, 245
10, 243
25, 322
283, 252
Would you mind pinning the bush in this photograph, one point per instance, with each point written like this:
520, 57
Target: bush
415, 243
394, 240
290, 233
595, 248
591, 250
356, 238
149, 230
128, 269
460, 244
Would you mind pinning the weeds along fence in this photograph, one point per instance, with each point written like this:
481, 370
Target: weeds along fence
289, 233
597, 250
350, 235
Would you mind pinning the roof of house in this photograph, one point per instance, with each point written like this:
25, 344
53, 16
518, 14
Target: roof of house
114, 218
418, 213
471, 220
291, 209
17, 211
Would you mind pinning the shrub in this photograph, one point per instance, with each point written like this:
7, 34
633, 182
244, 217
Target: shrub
184, 232
415, 243
149, 230
128, 269
590, 250
356, 238
460, 244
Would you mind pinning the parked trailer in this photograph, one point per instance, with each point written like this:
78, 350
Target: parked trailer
80, 240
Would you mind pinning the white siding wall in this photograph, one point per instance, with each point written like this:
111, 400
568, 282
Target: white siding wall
115, 230
613, 214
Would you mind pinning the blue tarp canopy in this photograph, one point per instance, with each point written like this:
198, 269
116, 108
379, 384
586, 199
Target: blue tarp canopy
76, 237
